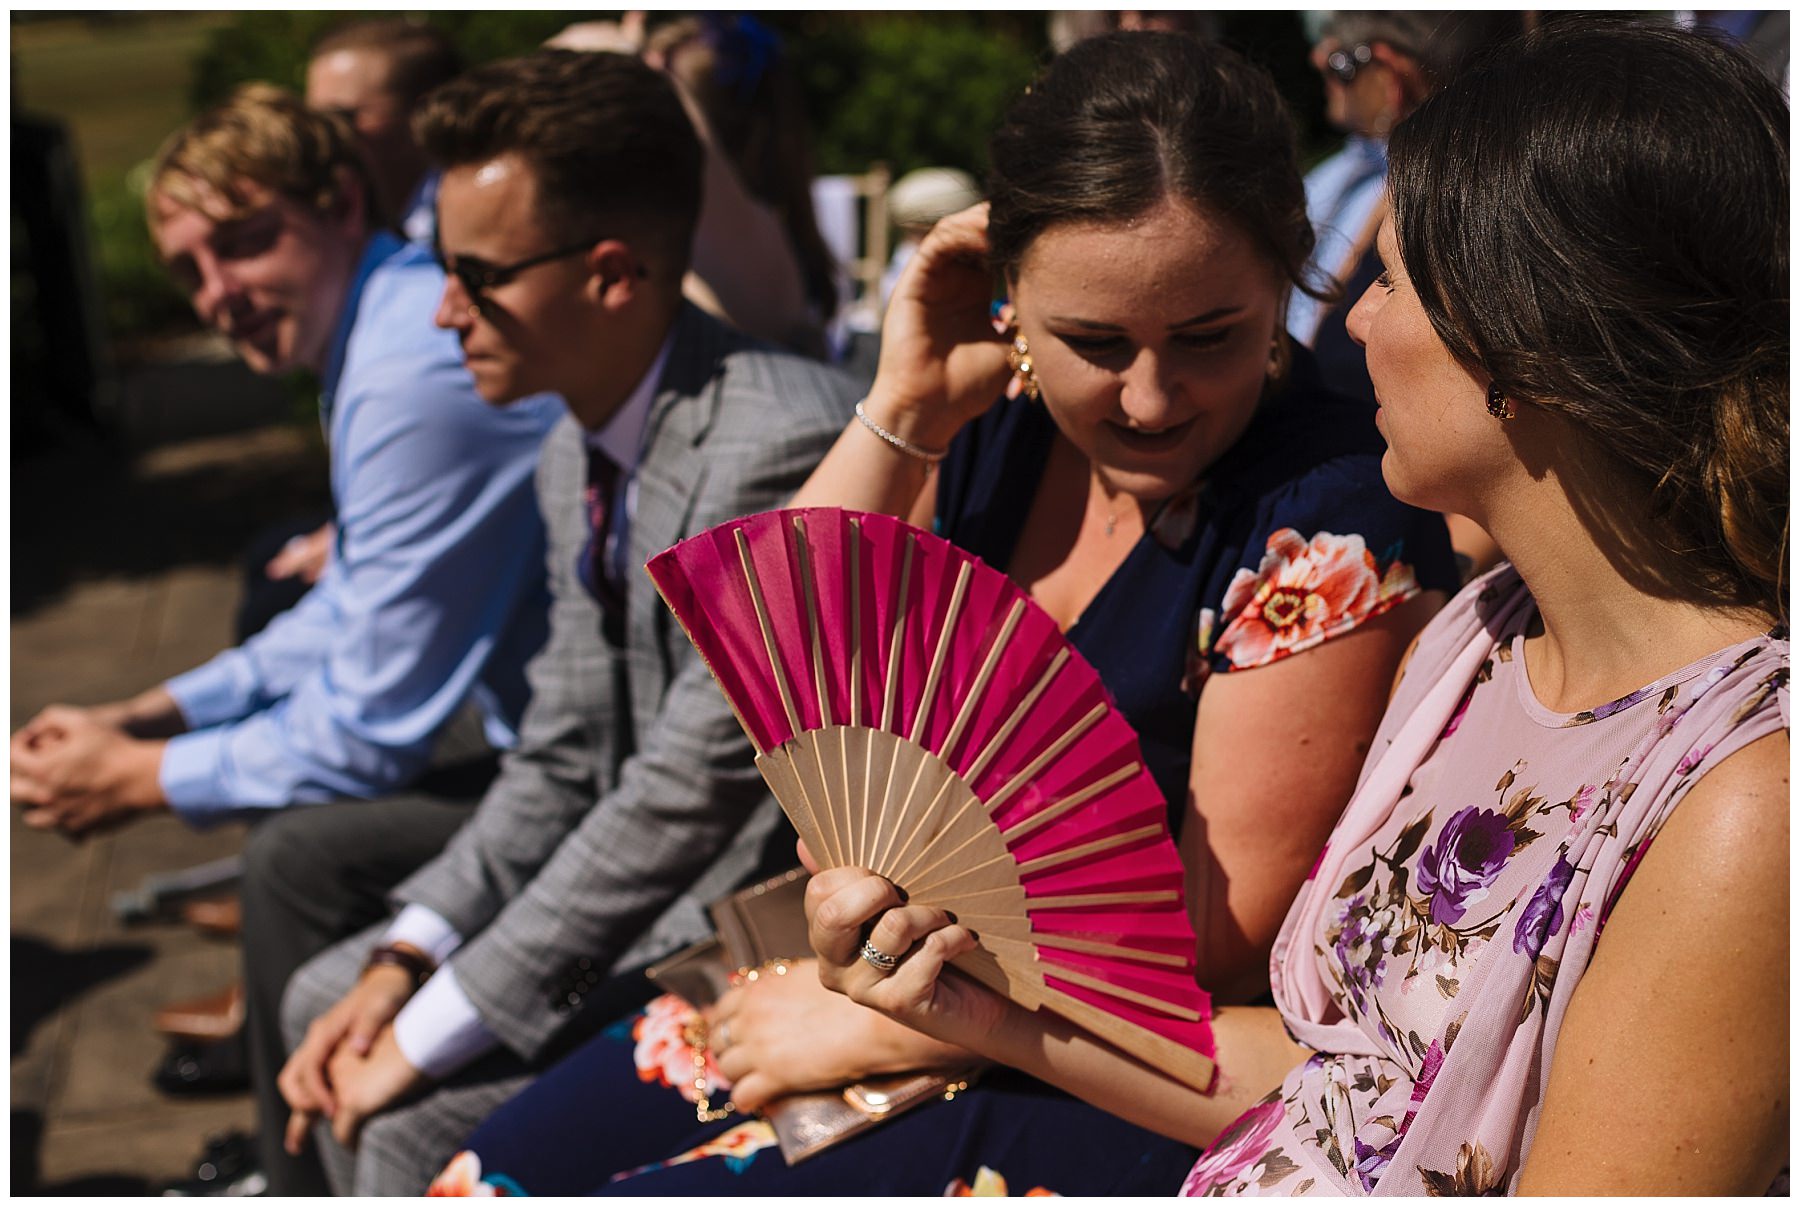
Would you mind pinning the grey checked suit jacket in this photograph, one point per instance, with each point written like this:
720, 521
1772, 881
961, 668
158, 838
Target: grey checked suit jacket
632, 798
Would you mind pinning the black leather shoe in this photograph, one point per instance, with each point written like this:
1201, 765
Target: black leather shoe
194, 1067
227, 1168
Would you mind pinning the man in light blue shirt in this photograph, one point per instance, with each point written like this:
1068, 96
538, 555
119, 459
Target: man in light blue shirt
433, 593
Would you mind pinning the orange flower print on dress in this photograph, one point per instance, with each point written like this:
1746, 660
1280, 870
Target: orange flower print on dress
1304, 592
461, 1179
665, 1047
990, 1184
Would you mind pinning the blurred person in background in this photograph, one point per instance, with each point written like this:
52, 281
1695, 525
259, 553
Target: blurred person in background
915, 202
759, 262
373, 74
1377, 68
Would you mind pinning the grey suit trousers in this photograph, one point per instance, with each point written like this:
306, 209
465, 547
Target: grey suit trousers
311, 876
402, 1149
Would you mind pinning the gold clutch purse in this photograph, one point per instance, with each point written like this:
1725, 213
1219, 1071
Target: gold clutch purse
764, 923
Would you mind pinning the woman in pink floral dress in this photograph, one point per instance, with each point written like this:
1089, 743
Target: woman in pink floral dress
1543, 949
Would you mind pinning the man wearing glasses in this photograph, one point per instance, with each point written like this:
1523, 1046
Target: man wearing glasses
571, 186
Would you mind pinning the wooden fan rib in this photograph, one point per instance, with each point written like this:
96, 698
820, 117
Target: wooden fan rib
929, 696
899, 759
939, 886
1186, 1014
988, 666
768, 632
1012, 834
814, 626
681, 618
777, 767
1050, 752
1058, 858
816, 778
909, 873
1083, 900
1094, 947
1176, 1059
856, 656
891, 671
998, 741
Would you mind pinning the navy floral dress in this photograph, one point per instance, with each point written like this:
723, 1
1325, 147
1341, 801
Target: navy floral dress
1290, 540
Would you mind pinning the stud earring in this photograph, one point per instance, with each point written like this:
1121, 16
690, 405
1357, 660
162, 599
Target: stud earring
474, 310
1024, 381
1498, 404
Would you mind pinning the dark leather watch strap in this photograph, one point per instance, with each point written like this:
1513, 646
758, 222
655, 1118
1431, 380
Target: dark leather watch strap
419, 965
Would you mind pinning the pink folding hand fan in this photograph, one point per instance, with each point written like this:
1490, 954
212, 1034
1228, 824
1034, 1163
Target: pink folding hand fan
917, 715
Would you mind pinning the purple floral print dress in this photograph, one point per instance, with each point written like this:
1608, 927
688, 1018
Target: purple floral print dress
1431, 955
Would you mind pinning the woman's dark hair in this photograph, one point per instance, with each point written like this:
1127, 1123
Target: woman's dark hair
1127, 119
1596, 216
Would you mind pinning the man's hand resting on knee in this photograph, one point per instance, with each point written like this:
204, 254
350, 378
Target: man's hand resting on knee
343, 1041
368, 1085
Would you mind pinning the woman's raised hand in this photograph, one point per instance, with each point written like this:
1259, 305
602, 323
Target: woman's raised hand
942, 363
844, 905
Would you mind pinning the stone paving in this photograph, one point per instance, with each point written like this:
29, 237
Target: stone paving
124, 572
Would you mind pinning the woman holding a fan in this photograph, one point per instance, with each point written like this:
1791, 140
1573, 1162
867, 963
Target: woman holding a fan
1518, 965
1150, 459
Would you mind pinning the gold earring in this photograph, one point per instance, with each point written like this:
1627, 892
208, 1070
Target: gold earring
1018, 355
474, 310
1498, 404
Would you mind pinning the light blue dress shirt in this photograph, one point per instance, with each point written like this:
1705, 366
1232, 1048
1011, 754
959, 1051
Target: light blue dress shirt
1341, 193
433, 592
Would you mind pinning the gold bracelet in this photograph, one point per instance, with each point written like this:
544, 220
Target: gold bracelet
697, 1034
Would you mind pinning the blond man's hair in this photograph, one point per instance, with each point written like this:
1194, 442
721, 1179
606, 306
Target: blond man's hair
265, 135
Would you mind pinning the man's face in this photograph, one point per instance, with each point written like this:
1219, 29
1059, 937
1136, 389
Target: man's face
1360, 105
271, 280
530, 333
354, 85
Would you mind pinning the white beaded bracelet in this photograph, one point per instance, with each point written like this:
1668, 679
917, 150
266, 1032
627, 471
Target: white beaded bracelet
931, 456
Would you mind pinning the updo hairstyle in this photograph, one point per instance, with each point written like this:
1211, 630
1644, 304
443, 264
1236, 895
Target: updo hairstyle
1596, 216
1124, 120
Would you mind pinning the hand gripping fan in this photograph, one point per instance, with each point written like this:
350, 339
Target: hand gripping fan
917, 715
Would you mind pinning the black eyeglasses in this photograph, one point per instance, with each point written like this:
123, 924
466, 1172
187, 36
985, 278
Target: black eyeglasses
1344, 64
477, 277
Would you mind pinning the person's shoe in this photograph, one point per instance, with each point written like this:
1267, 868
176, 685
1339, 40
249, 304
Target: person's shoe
227, 1168
193, 1067
222, 917
213, 1017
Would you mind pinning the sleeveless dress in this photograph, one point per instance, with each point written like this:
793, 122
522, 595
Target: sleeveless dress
1291, 540
1433, 952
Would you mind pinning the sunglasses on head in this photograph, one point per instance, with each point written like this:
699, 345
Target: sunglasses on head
1344, 64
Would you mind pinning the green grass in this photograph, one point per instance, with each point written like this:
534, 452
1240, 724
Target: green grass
121, 84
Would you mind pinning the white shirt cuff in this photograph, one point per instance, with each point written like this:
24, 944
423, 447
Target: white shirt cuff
439, 1031
422, 927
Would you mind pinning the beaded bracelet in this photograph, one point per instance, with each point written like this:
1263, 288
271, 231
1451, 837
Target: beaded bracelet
931, 456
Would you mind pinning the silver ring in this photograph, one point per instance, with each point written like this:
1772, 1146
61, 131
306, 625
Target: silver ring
721, 1036
878, 959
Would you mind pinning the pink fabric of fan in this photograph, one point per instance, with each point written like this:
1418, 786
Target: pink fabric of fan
916, 714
